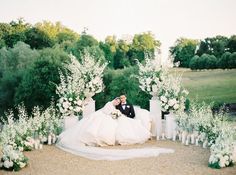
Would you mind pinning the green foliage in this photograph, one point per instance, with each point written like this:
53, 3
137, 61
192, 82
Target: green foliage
223, 62
38, 39
122, 81
232, 60
37, 87
183, 51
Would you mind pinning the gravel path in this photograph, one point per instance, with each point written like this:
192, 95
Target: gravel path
187, 160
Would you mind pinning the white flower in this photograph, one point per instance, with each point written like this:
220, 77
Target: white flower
22, 165
164, 99
7, 164
172, 102
65, 105
70, 99
176, 106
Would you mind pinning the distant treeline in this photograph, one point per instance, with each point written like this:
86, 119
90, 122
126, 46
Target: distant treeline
210, 53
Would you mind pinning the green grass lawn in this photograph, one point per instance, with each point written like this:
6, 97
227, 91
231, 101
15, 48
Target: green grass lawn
217, 86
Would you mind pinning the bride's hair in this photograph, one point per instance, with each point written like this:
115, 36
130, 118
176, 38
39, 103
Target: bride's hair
117, 98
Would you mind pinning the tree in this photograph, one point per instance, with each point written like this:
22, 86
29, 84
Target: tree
17, 32
232, 44
232, 60
38, 85
183, 50
142, 44
214, 46
223, 62
38, 39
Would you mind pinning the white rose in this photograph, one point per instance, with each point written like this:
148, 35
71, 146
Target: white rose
71, 108
164, 99
22, 165
222, 163
176, 106
70, 99
6, 164
65, 105
61, 100
172, 102
79, 102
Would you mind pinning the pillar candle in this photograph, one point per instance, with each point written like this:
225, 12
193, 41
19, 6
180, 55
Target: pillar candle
49, 139
192, 138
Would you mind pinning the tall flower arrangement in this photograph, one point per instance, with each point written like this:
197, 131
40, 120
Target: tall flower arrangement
171, 94
151, 76
81, 81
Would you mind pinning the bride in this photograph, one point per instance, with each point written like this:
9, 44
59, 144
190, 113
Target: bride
104, 127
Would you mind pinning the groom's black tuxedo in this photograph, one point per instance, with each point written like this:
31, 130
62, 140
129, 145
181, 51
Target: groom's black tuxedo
127, 110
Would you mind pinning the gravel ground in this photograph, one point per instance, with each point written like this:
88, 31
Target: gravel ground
187, 160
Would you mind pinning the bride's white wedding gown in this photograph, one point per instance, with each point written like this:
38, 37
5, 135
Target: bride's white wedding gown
100, 129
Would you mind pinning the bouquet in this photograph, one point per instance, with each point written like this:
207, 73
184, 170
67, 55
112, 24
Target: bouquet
115, 114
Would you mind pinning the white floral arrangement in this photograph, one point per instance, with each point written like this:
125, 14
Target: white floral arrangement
213, 130
12, 159
81, 81
171, 94
223, 150
116, 114
22, 134
151, 75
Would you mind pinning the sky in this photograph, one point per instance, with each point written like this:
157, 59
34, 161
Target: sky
166, 19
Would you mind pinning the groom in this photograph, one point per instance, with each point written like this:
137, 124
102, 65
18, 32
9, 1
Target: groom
126, 109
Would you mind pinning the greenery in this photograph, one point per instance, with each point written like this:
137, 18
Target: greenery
218, 86
210, 53
30, 56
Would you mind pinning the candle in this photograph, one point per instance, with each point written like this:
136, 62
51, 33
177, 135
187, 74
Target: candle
180, 136
205, 144
174, 135
187, 141
40, 146
197, 141
157, 137
54, 138
163, 136
183, 137
36, 144
49, 139
192, 138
